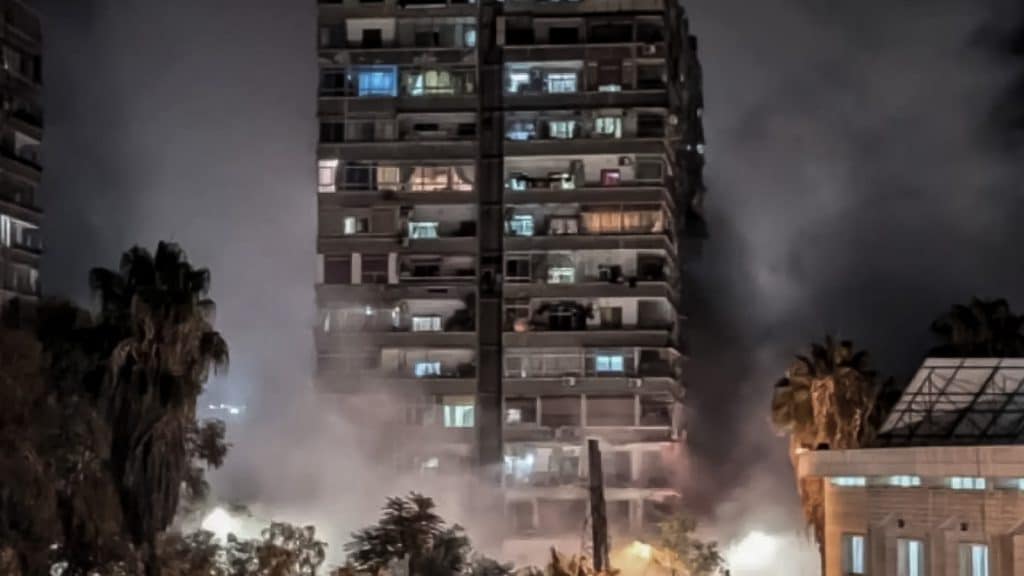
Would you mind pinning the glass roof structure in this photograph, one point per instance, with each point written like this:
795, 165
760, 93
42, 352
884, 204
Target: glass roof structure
959, 401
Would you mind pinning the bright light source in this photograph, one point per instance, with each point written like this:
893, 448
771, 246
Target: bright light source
756, 551
220, 523
641, 550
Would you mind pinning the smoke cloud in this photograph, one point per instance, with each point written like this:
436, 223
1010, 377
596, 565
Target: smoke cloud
859, 180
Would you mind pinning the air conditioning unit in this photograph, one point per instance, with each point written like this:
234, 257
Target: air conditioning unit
636, 382
673, 119
569, 381
649, 50
625, 160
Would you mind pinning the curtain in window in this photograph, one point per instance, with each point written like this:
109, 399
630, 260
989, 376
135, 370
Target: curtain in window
388, 178
377, 81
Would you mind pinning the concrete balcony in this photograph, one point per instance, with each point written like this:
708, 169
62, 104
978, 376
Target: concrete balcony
339, 105
623, 337
607, 52
653, 98
331, 341
544, 8
434, 150
654, 385
10, 206
401, 55
591, 195
336, 10
20, 168
377, 382
375, 198
617, 435
368, 244
590, 242
327, 294
585, 146
659, 289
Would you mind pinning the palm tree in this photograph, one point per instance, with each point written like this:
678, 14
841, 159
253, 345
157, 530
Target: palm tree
827, 400
158, 319
982, 328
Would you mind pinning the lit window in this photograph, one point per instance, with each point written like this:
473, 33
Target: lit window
609, 363
458, 415
518, 81
563, 226
355, 225
430, 465
328, 170
521, 130
609, 88
609, 126
967, 483
849, 481
431, 82
424, 369
611, 177
1020, 484
519, 466
561, 82
853, 554
973, 560
521, 225
431, 178
561, 275
561, 129
518, 182
905, 481
426, 323
377, 80
909, 557
513, 416
469, 37
423, 229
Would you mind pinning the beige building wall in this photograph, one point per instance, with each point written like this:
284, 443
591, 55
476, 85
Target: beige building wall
934, 513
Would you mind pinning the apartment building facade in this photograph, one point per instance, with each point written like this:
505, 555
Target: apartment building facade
21, 130
507, 197
941, 492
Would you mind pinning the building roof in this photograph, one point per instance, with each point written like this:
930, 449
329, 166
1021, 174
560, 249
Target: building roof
959, 401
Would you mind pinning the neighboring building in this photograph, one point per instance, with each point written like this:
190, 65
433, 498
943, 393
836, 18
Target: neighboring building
942, 494
21, 131
506, 190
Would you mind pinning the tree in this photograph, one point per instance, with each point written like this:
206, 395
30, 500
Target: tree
282, 550
407, 531
682, 551
97, 418
982, 328
155, 312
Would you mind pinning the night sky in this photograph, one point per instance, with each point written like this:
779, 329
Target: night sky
862, 172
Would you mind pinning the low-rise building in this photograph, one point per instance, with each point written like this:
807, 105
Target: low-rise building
941, 491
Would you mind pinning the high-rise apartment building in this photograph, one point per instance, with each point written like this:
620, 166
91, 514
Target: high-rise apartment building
21, 130
506, 192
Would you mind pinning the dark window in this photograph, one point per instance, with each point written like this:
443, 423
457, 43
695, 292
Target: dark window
332, 36
563, 35
650, 125
375, 269
426, 127
610, 410
617, 468
650, 170
650, 32
650, 77
558, 411
610, 177
609, 74
611, 32
427, 38
518, 268
332, 132
521, 516
561, 516
655, 411
520, 410
337, 270
373, 38
360, 176
467, 129
332, 82
518, 31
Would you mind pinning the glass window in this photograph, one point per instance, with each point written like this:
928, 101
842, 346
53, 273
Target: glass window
521, 225
518, 81
377, 80
423, 229
974, 560
849, 481
328, 170
426, 323
469, 37
561, 129
430, 82
424, 369
905, 481
520, 410
355, 225
609, 363
967, 483
609, 126
909, 557
521, 130
611, 177
853, 554
561, 275
560, 82
458, 414
564, 225
430, 178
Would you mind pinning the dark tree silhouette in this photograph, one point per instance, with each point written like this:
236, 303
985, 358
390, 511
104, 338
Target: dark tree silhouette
982, 328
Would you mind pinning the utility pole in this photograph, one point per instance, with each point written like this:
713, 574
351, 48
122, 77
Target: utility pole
598, 518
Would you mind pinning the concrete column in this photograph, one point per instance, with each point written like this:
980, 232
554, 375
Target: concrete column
357, 268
